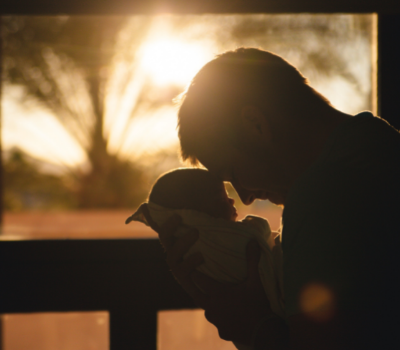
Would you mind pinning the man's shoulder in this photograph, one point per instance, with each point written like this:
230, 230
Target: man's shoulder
360, 152
343, 212
351, 193
364, 157
363, 137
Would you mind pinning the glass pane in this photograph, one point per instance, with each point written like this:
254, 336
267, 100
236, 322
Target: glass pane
88, 118
188, 329
56, 331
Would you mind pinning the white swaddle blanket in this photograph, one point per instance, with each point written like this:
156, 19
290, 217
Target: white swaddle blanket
223, 246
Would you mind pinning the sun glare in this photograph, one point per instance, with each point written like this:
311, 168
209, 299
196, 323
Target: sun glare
171, 61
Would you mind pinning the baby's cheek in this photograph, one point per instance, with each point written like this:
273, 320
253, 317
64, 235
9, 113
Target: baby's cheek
209, 209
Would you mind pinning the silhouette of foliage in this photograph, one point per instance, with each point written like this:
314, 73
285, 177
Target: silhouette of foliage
64, 63
27, 187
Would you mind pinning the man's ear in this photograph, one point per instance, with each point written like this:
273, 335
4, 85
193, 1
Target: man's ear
255, 124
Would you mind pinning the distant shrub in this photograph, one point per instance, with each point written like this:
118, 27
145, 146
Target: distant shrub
27, 188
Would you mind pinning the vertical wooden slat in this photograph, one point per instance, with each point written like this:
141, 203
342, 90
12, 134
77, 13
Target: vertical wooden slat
131, 330
1, 332
1, 161
1, 141
389, 68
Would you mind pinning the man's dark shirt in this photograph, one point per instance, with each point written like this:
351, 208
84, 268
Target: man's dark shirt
341, 229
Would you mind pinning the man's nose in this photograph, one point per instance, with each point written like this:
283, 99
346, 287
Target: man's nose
247, 197
231, 200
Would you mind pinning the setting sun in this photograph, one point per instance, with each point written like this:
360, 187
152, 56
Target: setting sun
171, 61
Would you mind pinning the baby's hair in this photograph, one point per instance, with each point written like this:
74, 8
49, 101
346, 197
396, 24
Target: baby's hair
180, 188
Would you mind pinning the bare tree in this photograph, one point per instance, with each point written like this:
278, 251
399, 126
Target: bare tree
65, 64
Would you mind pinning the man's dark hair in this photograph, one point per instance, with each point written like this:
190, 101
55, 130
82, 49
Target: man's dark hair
213, 101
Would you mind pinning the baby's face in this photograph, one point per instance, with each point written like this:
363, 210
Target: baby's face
217, 203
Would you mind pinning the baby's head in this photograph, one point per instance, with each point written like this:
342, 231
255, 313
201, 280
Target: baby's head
195, 189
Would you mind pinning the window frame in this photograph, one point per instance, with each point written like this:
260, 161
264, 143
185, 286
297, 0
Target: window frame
129, 277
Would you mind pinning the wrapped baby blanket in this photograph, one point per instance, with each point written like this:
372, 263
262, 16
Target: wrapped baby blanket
223, 246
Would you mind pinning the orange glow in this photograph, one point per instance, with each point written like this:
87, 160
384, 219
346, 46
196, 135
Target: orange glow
172, 61
317, 301
139, 123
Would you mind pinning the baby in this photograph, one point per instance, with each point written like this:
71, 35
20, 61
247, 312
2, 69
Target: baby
201, 200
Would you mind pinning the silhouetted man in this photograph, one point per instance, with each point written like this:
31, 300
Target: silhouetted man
252, 118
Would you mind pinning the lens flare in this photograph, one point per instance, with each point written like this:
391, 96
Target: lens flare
317, 302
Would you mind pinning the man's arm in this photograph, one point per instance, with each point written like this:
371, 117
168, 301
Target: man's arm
239, 311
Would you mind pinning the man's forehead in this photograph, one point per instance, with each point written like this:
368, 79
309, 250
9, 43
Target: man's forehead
218, 160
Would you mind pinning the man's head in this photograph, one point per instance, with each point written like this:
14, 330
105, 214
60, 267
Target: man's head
240, 113
195, 189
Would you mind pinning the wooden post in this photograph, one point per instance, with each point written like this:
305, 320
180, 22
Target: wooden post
1, 163
389, 68
132, 329
1, 141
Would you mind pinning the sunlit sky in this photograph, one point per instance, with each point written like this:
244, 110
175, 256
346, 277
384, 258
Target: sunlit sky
167, 56
165, 59
36, 131
172, 61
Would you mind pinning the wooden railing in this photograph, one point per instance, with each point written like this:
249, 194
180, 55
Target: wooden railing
128, 278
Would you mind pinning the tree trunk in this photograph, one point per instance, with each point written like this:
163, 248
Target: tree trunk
95, 191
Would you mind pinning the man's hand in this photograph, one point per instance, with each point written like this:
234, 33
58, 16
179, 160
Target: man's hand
236, 310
